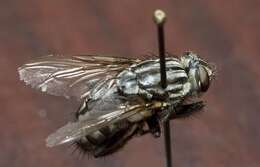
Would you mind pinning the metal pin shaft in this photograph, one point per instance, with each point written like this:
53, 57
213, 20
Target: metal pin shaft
159, 18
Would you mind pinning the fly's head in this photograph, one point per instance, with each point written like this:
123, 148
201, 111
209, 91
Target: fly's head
199, 71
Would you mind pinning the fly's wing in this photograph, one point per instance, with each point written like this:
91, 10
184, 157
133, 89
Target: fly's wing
72, 77
108, 110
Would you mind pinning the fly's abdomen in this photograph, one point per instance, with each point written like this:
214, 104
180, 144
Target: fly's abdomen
106, 140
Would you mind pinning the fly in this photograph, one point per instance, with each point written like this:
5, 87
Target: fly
120, 97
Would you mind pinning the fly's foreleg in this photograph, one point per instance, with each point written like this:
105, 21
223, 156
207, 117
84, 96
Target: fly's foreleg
186, 110
153, 127
167, 113
181, 111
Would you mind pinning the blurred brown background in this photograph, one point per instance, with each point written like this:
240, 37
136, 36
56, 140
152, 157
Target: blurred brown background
226, 33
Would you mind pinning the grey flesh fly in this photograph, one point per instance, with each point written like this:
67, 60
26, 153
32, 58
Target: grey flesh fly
120, 97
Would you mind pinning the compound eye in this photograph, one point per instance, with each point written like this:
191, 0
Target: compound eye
203, 78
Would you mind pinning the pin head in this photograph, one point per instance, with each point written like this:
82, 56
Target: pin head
159, 16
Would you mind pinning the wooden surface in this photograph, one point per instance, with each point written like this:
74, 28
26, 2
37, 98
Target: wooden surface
226, 33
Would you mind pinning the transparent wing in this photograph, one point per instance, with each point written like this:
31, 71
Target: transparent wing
71, 77
105, 111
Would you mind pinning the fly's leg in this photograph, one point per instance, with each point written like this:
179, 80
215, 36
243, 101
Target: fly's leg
82, 109
167, 113
186, 110
181, 111
153, 127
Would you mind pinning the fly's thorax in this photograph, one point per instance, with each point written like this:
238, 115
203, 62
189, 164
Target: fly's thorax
127, 82
144, 78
